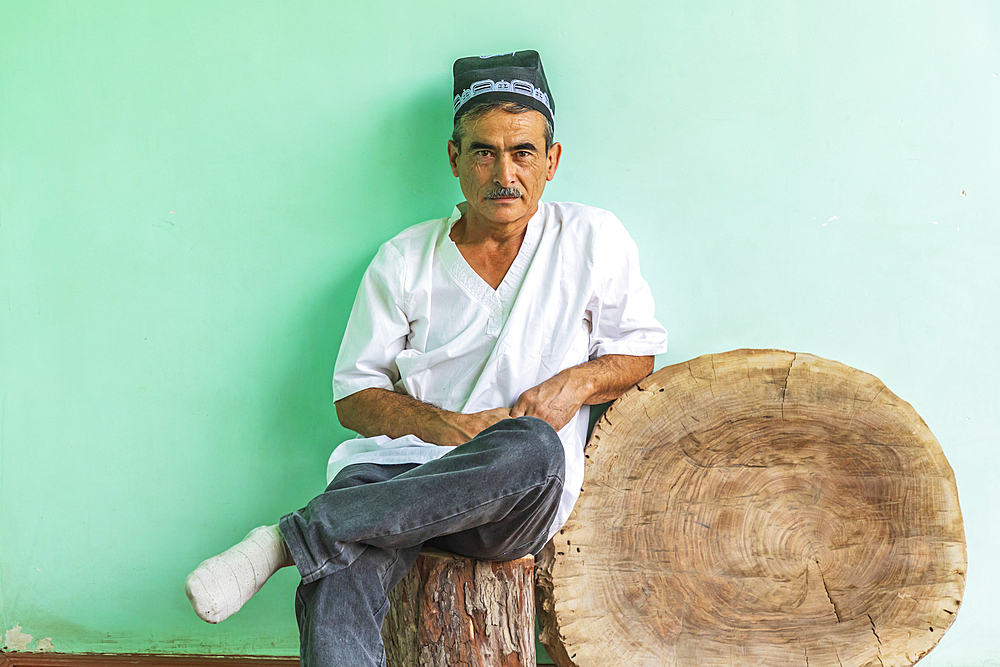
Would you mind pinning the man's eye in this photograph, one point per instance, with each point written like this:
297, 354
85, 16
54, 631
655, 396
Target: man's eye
483, 153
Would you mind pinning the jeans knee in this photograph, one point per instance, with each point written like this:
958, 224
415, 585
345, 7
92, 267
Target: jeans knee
540, 448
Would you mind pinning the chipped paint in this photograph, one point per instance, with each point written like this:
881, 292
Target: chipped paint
16, 639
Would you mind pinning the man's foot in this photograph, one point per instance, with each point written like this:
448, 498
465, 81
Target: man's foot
222, 584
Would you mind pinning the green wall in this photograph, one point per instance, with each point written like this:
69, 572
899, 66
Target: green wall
189, 192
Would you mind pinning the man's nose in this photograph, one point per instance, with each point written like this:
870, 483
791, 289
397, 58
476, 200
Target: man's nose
503, 170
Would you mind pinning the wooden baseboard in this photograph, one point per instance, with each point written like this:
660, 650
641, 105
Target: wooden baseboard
139, 660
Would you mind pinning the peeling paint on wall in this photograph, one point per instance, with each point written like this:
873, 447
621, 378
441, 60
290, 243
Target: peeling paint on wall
17, 640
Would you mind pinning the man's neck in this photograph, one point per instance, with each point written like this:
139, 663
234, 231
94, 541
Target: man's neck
489, 247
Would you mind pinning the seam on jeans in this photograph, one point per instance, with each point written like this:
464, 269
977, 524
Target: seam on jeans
452, 516
381, 607
388, 569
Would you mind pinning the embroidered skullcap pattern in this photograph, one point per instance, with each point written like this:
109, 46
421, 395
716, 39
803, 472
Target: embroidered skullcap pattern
507, 77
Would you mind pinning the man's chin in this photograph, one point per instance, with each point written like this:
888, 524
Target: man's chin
502, 211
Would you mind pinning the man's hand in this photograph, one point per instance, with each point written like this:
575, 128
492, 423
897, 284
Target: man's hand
603, 379
555, 401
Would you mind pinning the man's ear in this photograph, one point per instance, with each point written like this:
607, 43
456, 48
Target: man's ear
453, 157
555, 152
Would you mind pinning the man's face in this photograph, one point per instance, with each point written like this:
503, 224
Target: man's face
503, 166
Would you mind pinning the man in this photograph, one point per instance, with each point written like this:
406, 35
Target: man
475, 346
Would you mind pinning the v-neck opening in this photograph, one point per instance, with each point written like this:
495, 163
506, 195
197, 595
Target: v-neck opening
511, 281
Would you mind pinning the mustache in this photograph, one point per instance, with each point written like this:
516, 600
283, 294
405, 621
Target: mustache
503, 193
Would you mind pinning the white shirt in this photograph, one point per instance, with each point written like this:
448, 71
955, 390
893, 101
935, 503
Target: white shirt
426, 324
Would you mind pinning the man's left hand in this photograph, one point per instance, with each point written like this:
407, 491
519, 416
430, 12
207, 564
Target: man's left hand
597, 381
555, 401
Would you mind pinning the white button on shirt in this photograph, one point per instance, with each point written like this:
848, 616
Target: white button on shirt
426, 324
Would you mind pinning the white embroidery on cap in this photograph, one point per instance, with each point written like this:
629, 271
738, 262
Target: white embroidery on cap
517, 86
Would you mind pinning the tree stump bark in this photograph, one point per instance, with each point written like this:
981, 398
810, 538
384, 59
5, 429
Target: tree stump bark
756, 507
451, 611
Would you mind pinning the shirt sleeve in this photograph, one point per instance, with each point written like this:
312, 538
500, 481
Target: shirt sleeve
621, 309
376, 330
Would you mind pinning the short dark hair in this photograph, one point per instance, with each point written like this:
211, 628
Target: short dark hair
483, 108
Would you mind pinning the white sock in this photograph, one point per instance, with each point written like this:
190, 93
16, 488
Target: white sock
222, 584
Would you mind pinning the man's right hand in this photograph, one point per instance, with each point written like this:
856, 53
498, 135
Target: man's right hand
457, 429
376, 411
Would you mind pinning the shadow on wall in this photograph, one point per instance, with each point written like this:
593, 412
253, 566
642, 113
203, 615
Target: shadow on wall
402, 166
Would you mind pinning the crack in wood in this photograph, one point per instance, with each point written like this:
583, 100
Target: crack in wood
872, 621
877, 638
879, 656
784, 387
829, 597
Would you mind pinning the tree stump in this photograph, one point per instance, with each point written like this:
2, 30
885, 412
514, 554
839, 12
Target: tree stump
756, 507
451, 611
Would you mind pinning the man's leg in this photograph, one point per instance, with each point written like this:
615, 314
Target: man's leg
340, 613
512, 473
221, 585
499, 492
340, 616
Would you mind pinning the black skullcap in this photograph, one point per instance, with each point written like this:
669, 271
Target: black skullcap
508, 77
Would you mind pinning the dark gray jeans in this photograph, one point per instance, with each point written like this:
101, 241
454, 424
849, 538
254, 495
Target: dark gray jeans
492, 498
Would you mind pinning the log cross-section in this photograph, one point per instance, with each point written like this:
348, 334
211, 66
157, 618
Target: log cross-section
756, 507
451, 611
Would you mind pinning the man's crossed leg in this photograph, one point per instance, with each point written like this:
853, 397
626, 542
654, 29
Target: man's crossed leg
492, 498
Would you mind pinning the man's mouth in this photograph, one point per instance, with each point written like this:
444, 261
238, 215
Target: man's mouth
504, 193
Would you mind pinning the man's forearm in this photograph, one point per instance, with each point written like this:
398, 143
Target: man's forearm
606, 378
375, 411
